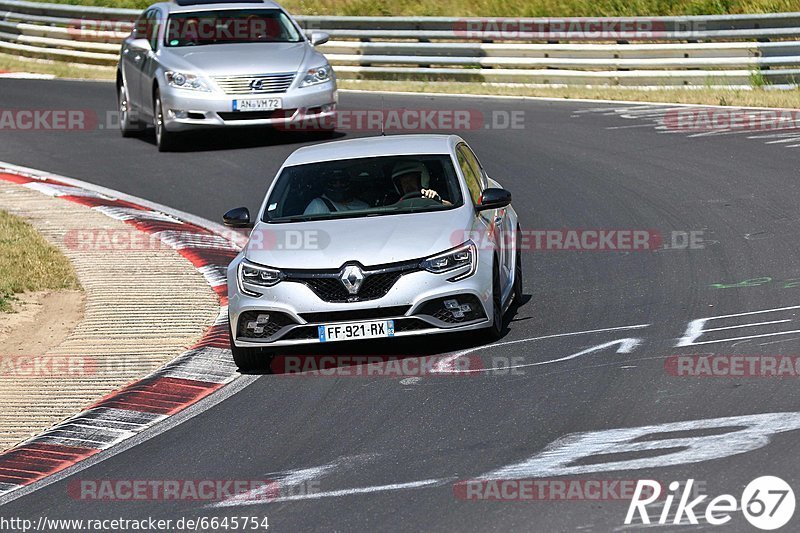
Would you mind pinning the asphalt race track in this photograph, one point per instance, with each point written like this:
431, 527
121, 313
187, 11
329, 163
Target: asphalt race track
384, 453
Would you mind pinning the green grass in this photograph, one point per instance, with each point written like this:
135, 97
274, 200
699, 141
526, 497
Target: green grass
757, 97
29, 263
57, 68
508, 8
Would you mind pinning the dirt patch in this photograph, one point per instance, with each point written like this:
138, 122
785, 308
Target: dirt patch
41, 321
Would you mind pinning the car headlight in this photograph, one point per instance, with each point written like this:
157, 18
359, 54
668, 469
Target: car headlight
316, 75
257, 276
185, 80
465, 255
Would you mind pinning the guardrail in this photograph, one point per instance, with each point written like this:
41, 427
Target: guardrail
654, 51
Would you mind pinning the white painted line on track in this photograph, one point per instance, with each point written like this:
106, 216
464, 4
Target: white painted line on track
625, 346
346, 492
27, 76
445, 365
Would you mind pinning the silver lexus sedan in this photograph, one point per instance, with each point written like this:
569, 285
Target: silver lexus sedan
374, 237
210, 63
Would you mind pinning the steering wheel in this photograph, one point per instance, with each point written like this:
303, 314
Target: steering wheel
410, 195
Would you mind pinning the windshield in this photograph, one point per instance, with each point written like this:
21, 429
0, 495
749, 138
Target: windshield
230, 26
371, 186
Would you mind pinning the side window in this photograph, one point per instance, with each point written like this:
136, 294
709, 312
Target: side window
140, 27
152, 28
473, 160
471, 170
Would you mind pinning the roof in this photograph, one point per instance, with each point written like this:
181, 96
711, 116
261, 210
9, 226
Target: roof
182, 6
376, 146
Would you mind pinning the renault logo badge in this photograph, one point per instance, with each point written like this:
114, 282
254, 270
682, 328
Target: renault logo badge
351, 277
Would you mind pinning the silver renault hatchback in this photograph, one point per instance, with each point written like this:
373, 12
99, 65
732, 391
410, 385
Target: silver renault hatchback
209, 63
376, 237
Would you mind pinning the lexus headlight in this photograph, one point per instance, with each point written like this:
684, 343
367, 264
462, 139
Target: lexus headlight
185, 80
257, 276
465, 255
316, 75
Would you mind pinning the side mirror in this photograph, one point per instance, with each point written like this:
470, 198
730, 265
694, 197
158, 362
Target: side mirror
494, 199
319, 37
141, 44
237, 218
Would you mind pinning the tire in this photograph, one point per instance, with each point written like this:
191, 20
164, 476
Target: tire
165, 140
249, 359
518, 273
495, 331
127, 126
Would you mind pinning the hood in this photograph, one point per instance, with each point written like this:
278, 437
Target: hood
238, 59
371, 241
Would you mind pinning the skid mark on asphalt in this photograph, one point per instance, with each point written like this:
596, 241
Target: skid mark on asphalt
752, 123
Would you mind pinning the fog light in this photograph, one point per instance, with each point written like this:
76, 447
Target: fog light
328, 108
179, 113
456, 309
256, 326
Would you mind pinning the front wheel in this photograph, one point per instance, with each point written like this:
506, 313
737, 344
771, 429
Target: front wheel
165, 139
127, 125
518, 272
249, 359
495, 331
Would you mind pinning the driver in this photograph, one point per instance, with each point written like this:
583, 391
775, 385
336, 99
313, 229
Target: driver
338, 196
412, 177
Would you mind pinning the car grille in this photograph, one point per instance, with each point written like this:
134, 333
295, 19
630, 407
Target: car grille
410, 324
229, 116
270, 83
356, 314
377, 282
375, 286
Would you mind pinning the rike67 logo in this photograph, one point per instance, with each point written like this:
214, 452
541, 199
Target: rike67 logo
767, 502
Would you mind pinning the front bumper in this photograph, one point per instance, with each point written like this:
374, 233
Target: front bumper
186, 110
409, 303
